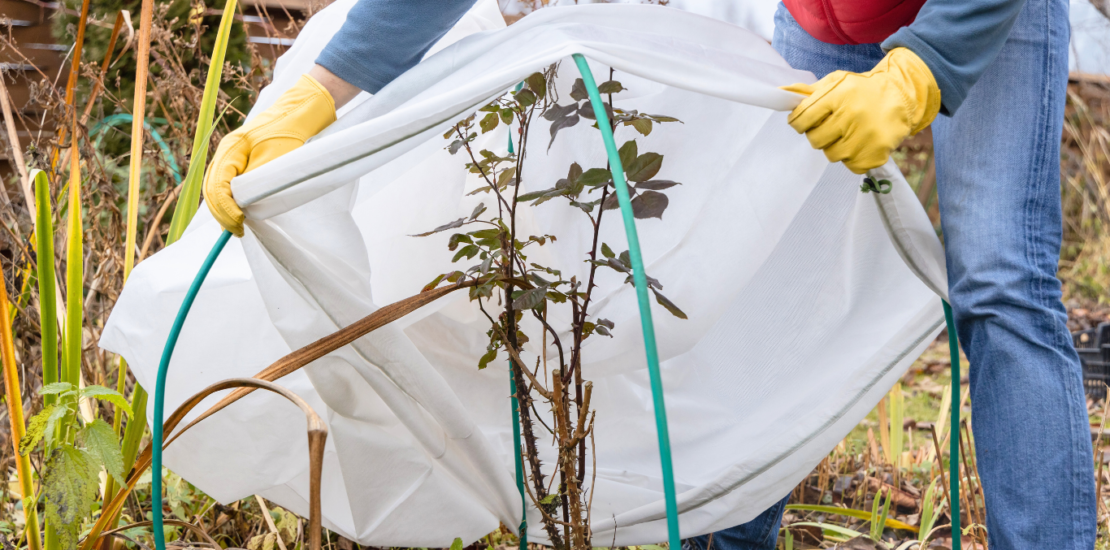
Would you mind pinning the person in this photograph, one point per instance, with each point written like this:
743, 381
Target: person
990, 77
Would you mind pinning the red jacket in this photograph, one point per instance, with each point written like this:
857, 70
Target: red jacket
853, 21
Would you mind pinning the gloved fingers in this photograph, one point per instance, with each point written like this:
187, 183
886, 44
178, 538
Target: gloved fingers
270, 149
867, 159
819, 105
827, 133
799, 88
228, 162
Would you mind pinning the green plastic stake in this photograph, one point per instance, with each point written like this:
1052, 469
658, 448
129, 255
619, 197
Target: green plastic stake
516, 429
953, 436
640, 279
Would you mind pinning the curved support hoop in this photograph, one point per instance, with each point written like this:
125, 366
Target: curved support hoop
640, 278
954, 430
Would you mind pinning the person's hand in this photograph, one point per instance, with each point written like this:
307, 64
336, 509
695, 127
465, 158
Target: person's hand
859, 118
300, 113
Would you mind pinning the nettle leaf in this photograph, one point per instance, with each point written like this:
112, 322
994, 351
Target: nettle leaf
41, 425
644, 167
649, 204
110, 395
628, 153
457, 223
578, 90
55, 388
485, 361
69, 489
559, 124
525, 98
610, 87
606, 251
530, 298
557, 111
642, 125
488, 122
101, 443
537, 83
596, 177
656, 185
669, 305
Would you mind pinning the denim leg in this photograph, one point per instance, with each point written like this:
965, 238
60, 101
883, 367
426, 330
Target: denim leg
760, 533
998, 176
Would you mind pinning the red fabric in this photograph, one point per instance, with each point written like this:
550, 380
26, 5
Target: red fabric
853, 21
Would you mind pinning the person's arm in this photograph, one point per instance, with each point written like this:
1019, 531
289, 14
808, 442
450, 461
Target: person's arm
957, 39
379, 40
382, 39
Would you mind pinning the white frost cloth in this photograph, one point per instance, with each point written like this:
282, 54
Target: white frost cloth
803, 303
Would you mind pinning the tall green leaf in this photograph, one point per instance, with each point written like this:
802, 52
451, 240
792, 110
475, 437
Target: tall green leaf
48, 313
75, 275
189, 199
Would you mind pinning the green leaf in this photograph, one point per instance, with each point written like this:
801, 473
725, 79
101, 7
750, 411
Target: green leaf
606, 251
557, 111
507, 116
55, 388
489, 122
530, 298
491, 108
487, 358
456, 544
668, 305
649, 204
457, 223
469, 251
849, 512
610, 87
110, 395
69, 489
525, 98
642, 125
435, 282
596, 177
656, 185
628, 153
560, 124
578, 90
664, 118
101, 443
537, 83
455, 146
533, 195
549, 498
644, 167
41, 425
478, 211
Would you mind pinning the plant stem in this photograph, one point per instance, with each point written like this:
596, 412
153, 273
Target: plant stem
15, 417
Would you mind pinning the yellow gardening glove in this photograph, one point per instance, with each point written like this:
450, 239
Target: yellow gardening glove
300, 113
859, 118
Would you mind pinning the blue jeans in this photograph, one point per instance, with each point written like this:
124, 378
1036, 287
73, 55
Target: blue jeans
998, 180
